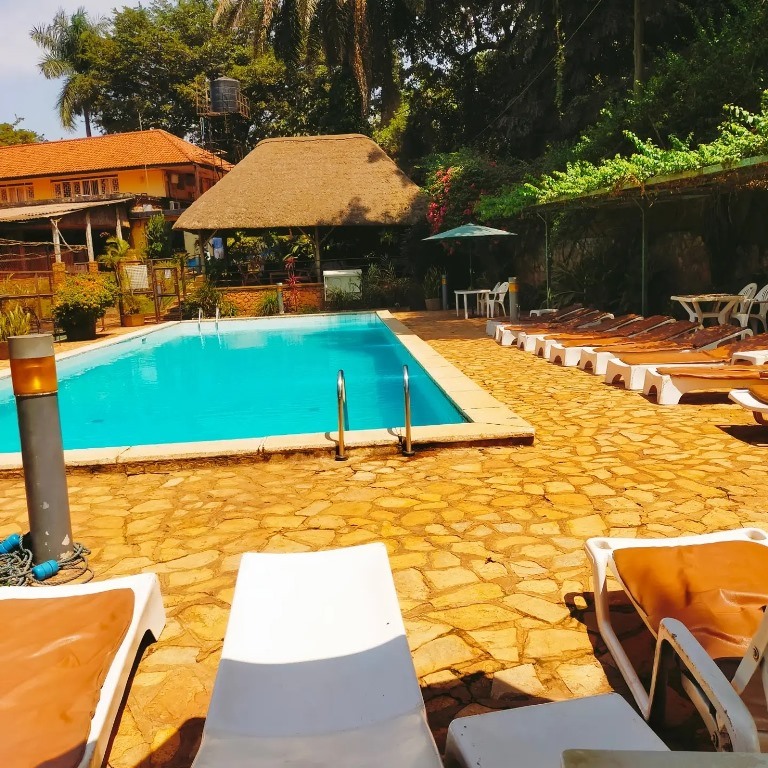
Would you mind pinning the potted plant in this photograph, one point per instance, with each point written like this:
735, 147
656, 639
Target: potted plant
13, 322
433, 281
132, 314
80, 301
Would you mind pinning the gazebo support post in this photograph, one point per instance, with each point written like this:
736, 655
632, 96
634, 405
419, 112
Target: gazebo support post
546, 256
56, 240
316, 245
89, 237
643, 268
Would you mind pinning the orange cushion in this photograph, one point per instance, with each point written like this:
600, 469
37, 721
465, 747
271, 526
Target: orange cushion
54, 656
718, 590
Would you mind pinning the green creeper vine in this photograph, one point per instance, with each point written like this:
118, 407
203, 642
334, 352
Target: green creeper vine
742, 135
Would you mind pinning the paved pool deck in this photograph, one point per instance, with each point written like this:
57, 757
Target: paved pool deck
485, 543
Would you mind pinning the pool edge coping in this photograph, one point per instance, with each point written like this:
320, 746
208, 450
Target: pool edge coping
489, 420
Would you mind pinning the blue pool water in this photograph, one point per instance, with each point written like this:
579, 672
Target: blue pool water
252, 379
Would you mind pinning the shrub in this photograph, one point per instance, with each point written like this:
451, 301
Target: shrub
433, 281
339, 300
14, 322
83, 297
269, 304
206, 297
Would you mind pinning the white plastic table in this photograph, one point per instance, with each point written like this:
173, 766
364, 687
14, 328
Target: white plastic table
477, 292
692, 305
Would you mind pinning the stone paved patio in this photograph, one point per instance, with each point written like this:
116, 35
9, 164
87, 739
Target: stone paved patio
485, 543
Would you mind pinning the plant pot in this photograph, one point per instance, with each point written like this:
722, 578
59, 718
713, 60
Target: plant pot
433, 304
5, 353
82, 329
131, 321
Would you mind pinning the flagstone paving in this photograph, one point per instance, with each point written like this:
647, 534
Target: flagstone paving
485, 543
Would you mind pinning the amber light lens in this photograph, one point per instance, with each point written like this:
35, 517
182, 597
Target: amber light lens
34, 376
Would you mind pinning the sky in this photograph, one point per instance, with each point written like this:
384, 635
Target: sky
24, 92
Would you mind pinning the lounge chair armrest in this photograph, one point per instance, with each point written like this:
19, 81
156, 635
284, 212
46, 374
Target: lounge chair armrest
730, 711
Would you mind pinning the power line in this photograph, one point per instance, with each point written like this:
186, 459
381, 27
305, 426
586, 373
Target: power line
543, 70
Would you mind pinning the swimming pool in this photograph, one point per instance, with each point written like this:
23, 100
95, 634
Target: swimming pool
252, 378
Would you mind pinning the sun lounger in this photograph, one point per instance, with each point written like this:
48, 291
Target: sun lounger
606, 328
536, 736
669, 384
624, 758
315, 670
560, 351
703, 599
594, 358
755, 399
526, 340
534, 316
507, 333
629, 368
66, 654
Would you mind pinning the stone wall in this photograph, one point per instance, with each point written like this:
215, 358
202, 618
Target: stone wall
249, 299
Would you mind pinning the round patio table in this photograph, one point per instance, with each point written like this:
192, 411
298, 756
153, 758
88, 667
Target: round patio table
722, 306
477, 292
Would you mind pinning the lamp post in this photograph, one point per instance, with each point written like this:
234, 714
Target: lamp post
33, 373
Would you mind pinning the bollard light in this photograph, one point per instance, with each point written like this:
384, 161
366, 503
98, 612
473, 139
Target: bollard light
33, 374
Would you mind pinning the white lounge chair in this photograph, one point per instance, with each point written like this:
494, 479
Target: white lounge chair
745, 315
605, 758
315, 669
536, 736
65, 658
702, 597
754, 399
667, 384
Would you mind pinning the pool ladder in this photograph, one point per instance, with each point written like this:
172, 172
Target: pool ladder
341, 402
200, 320
218, 315
343, 415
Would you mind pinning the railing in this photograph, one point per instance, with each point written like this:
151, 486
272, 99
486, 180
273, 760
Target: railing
200, 320
341, 402
218, 314
407, 448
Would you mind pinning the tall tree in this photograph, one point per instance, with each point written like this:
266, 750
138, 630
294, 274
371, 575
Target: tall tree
11, 134
64, 42
361, 36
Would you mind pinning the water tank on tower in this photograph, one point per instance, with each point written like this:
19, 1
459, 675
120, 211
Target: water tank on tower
225, 96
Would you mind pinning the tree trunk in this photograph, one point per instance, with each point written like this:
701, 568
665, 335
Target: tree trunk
87, 118
639, 40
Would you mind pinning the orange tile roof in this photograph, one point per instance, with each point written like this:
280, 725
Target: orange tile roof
115, 151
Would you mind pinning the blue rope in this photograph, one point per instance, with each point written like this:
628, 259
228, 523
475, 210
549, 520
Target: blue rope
16, 568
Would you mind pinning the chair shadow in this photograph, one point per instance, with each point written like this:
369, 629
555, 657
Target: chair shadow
751, 434
683, 729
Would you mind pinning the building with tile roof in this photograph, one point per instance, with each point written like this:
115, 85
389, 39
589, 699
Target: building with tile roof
113, 182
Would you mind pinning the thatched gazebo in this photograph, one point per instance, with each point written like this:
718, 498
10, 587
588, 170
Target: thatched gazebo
307, 183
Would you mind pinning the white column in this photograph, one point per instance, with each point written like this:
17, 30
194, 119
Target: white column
89, 236
56, 240
118, 224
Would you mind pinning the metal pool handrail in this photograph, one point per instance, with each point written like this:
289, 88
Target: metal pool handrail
341, 402
407, 449
218, 313
199, 319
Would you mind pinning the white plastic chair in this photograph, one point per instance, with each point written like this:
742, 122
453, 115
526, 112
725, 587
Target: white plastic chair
745, 316
497, 296
732, 705
315, 668
535, 736
148, 615
482, 301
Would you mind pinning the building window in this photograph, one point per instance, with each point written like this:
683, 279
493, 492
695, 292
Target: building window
18, 193
102, 185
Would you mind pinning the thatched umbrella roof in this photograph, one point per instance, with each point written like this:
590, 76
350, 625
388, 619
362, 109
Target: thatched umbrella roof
307, 182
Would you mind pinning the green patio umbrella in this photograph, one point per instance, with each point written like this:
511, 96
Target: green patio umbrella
470, 231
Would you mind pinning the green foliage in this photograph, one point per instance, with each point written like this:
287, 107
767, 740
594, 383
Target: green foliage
455, 182
11, 134
381, 286
66, 42
269, 304
207, 297
15, 321
339, 300
82, 297
743, 134
432, 283
158, 235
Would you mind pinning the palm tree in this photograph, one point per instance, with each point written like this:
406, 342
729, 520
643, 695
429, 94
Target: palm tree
64, 42
360, 34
